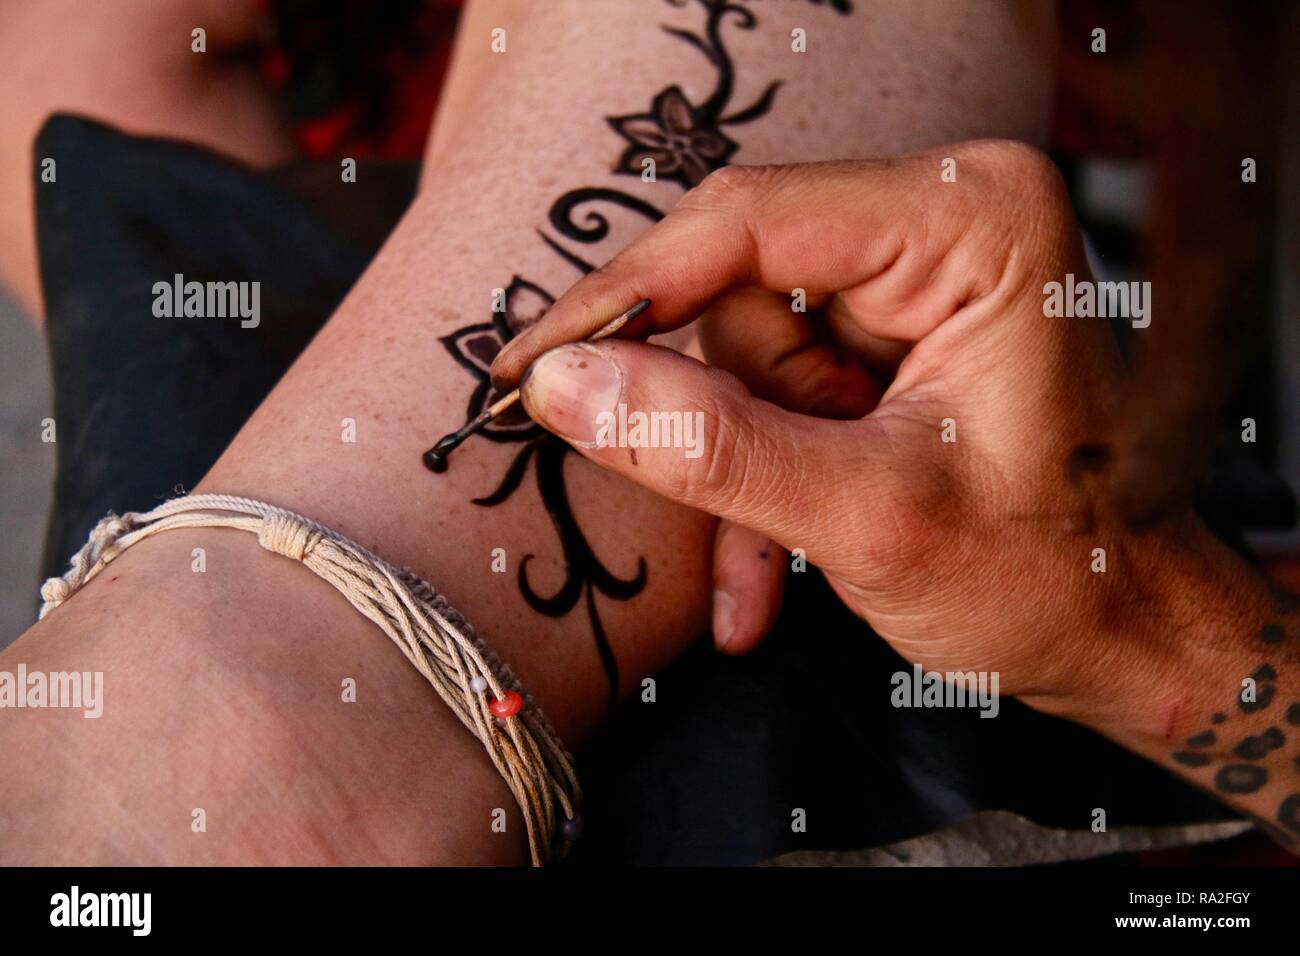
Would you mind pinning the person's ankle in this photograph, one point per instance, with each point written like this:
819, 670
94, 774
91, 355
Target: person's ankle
280, 726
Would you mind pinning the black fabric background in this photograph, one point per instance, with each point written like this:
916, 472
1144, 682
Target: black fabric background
710, 773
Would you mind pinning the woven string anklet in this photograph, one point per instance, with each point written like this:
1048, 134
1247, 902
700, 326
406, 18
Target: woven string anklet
432, 634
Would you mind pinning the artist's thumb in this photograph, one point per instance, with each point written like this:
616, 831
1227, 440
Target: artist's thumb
696, 435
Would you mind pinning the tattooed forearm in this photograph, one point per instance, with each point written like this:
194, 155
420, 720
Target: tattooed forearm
1249, 754
676, 142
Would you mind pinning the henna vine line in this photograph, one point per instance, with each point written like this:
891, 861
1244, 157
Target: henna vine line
685, 141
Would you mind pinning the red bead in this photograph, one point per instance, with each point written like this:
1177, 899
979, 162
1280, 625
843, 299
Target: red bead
507, 706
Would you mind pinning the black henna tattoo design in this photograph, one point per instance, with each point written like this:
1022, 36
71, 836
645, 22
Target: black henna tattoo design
595, 226
474, 347
686, 142
682, 141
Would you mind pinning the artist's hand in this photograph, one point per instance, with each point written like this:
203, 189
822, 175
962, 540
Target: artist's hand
938, 504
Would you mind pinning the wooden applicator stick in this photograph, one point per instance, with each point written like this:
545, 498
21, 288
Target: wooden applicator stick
435, 459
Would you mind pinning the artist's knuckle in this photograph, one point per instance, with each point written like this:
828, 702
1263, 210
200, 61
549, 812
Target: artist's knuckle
727, 186
1011, 219
1019, 177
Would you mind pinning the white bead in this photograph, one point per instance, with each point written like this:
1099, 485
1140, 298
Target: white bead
478, 685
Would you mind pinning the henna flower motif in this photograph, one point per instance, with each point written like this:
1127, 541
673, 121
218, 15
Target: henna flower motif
475, 346
672, 134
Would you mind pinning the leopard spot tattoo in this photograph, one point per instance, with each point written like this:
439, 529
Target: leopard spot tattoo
1272, 634
1190, 758
1263, 677
1261, 745
1240, 778
1206, 739
1288, 814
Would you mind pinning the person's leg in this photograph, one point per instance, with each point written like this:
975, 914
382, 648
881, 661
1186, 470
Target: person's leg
533, 146
128, 63
522, 141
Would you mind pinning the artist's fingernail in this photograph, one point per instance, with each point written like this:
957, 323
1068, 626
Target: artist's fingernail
568, 388
496, 362
724, 618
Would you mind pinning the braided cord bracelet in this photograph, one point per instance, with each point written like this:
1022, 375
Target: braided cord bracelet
432, 634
